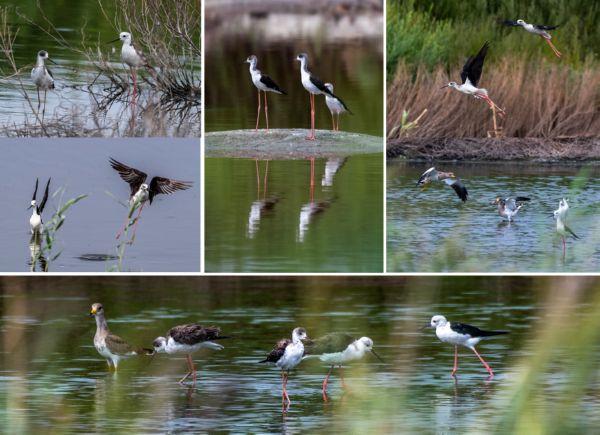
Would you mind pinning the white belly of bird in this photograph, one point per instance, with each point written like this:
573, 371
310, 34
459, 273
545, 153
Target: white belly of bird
334, 105
308, 85
173, 346
256, 80
40, 78
447, 335
35, 221
138, 199
131, 57
291, 357
349, 354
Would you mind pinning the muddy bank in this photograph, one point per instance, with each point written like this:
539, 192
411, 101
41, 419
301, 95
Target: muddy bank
491, 149
289, 144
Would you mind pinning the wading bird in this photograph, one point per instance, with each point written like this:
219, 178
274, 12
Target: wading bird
448, 178
188, 339
110, 346
336, 349
263, 83
537, 29
336, 107
35, 221
562, 229
286, 355
460, 334
314, 86
132, 57
140, 192
509, 207
470, 75
42, 77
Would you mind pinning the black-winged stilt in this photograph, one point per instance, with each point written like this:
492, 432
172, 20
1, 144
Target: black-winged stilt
35, 221
110, 346
188, 339
560, 214
460, 334
470, 75
314, 86
286, 355
140, 192
263, 83
132, 57
42, 77
537, 29
448, 178
336, 106
336, 349
509, 207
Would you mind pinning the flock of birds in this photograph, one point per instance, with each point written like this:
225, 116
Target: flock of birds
507, 207
140, 194
310, 82
333, 349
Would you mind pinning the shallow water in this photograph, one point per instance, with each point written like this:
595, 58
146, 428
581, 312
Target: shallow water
52, 377
336, 227
168, 234
431, 230
355, 68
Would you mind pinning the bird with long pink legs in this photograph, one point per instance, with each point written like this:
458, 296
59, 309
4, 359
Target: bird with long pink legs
460, 334
140, 192
536, 29
133, 58
264, 84
562, 229
314, 86
470, 75
286, 355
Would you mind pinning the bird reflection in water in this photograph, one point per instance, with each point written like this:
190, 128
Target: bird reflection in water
36, 256
263, 204
312, 208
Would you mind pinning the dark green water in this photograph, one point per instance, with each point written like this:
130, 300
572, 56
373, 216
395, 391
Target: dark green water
431, 230
336, 228
52, 379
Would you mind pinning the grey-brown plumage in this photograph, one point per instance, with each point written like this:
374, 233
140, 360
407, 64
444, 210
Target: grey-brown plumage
194, 333
278, 351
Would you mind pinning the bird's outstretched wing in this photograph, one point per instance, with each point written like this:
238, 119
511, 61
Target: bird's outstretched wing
45, 199
329, 343
459, 188
166, 186
278, 351
134, 177
510, 23
270, 83
424, 178
522, 199
544, 27
36, 187
474, 66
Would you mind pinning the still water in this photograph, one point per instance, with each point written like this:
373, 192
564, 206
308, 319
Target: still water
168, 234
51, 377
263, 216
431, 230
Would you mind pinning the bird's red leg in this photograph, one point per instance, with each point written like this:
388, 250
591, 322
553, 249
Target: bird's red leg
312, 172
188, 373
455, 368
342, 377
258, 112
325, 382
312, 115
257, 179
332, 121
192, 367
266, 111
556, 52
564, 247
134, 75
487, 367
265, 180
338, 123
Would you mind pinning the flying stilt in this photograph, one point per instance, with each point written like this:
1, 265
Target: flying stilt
470, 75
562, 229
460, 334
133, 58
110, 346
140, 192
336, 107
336, 349
314, 86
263, 83
42, 77
188, 339
509, 207
286, 355
35, 221
448, 178
536, 29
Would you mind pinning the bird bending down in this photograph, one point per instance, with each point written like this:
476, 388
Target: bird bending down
286, 355
560, 214
338, 349
336, 107
188, 339
537, 29
132, 57
42, 77
509, 207
110, 346
460, 334
35, 221
140, 192
448, 178
470, 75
263, 83
314, 86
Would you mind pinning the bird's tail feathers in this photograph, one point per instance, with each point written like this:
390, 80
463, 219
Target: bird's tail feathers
493, 333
